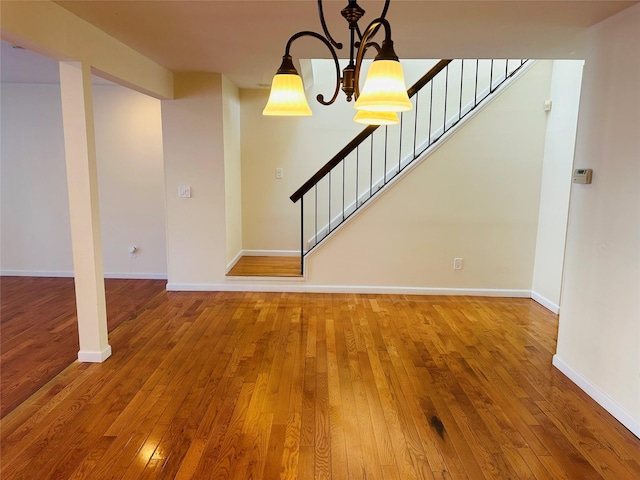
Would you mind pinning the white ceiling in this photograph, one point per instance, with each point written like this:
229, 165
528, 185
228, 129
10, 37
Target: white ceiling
245, 39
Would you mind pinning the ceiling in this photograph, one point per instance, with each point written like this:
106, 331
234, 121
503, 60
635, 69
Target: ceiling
245, 39
19, 65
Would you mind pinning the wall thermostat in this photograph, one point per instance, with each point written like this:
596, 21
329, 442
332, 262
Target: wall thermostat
582, 175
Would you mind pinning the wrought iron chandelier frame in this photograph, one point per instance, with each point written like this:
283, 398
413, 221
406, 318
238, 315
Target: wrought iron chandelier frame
360, 42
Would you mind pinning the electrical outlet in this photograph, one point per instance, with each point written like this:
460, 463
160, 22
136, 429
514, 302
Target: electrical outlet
279, 173
457, 264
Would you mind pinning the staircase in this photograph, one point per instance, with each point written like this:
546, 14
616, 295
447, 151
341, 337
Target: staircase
442, 99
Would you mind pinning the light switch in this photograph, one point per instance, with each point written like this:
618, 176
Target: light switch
184, 191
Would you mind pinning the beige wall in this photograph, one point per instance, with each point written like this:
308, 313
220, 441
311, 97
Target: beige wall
232, 168
298, 145
474, 200
599, 332
35, 210
194, 155
476, 197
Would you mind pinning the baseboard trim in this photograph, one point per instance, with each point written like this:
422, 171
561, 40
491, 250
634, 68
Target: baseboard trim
91, 356
545, 302
233, 262
29, 273
602, 398
127, 276
270, 285
137, 276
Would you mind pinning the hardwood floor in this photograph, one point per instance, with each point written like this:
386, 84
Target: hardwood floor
40, 328
266, 267
317, 386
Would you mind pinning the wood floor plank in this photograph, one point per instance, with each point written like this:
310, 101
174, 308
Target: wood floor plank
191, 459
336, 418
291, 449
249, 385
353, 442
322, 439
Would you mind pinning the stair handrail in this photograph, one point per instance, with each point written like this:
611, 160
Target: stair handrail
351, 146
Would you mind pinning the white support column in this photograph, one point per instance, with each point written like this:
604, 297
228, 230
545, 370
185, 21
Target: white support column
82, 184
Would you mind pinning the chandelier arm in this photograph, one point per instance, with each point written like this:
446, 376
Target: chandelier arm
374, 45
385, 9
383, 15
320, 97
369, 32
328, 36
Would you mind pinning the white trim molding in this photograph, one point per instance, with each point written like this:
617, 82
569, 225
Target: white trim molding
27, 273
601, 397
233, 262
137, 276
268, 284
91, 356
545, 302
296, 285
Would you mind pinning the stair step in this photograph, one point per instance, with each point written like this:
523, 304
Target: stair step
266, 266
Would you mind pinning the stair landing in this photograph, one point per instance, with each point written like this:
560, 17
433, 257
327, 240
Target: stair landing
266, 267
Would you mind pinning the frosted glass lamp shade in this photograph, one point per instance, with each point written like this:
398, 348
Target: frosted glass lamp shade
287, 97
384, 89
368, 117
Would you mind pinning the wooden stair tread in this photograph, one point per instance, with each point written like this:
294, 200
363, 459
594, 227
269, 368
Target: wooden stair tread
266, 266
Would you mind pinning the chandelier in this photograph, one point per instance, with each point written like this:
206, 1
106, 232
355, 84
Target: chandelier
384, 92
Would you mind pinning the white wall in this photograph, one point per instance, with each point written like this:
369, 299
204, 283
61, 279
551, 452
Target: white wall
35, 233
130, 181
566, 78
35, 214
476, 197
599, 331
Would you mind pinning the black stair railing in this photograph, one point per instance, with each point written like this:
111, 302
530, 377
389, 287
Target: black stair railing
450, 91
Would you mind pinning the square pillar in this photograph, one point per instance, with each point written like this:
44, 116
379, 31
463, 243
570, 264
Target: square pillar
82, 184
